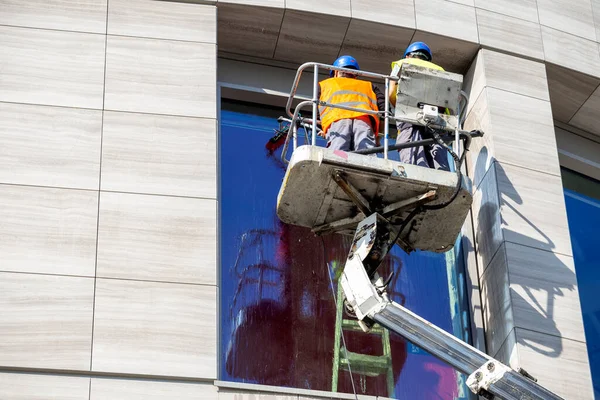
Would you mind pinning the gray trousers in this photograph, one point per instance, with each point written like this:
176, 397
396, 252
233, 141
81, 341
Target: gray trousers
350, 134
433, 156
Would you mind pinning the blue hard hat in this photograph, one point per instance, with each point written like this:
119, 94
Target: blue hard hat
345, 62
420, 47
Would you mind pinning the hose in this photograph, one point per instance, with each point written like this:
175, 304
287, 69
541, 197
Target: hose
457, 162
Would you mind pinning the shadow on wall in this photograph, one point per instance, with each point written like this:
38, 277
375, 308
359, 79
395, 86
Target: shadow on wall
532, 284
468, 247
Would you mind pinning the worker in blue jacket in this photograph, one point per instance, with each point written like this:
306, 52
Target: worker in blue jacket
432, 156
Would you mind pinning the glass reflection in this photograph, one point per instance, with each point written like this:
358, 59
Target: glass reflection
278, 312
582, 198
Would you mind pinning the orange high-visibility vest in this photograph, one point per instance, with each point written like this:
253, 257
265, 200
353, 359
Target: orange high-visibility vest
348, 92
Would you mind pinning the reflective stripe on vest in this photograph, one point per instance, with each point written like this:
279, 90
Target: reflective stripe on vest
354, 104
348, 92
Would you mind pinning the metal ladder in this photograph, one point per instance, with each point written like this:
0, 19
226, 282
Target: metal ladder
362, 364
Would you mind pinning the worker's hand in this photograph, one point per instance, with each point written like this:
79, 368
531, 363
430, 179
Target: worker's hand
322, 134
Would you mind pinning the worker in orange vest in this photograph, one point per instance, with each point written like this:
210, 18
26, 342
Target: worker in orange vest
432, 156
349, 130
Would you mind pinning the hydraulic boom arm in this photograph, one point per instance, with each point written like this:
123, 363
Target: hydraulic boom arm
486, 376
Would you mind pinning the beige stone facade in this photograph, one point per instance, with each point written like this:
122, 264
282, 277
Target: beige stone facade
108, 157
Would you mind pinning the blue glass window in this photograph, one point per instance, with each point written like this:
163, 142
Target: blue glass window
582, 198
278, 313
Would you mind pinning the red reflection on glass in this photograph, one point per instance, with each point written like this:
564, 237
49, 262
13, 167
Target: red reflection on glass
288, 340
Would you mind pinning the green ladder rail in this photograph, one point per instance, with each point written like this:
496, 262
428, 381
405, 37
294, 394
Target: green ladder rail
361, 364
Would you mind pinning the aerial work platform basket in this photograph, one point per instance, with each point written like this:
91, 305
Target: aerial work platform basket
332, 191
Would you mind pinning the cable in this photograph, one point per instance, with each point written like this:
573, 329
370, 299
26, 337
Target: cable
457, 163
335, 302
406, 221
387, 281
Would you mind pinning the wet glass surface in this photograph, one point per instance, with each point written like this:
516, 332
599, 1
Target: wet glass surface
278, 310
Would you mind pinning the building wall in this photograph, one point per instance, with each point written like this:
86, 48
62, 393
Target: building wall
529, 291
108, 199
108, 265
